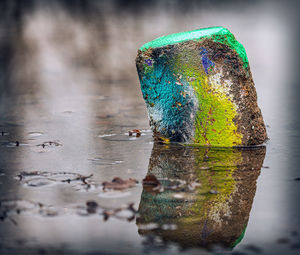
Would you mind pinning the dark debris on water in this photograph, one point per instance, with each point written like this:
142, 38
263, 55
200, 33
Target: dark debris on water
137, 132
130, 215
119, 184
151, 180
38, 179
123, 212
3, 133
151, 183
9, 209
49, 144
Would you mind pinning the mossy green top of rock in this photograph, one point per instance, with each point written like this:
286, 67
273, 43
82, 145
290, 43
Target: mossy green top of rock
218, 34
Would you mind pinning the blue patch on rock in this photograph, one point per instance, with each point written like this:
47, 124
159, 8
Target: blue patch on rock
169, 104
206, 62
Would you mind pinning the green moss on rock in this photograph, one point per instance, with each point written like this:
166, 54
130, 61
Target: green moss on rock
218, 34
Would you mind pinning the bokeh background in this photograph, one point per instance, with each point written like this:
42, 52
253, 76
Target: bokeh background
56, 55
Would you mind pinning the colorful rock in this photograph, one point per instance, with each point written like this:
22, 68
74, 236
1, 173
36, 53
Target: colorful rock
198, 89
211, 204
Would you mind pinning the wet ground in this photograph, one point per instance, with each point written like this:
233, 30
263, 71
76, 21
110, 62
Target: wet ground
64, 122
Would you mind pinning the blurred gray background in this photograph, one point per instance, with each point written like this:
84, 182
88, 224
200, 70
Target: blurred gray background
98, 41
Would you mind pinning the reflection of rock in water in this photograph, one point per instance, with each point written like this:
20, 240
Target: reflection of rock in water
216, 211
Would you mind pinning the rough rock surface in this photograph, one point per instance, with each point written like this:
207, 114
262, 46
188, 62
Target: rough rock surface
198, 89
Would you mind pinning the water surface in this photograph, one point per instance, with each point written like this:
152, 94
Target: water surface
69, 96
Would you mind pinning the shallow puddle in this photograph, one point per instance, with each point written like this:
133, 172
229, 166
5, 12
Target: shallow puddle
79, 170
